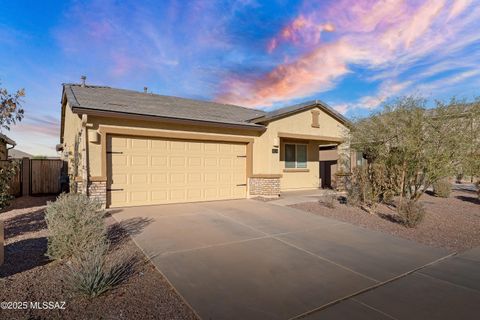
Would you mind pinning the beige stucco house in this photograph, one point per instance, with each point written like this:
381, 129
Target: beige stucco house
131, 148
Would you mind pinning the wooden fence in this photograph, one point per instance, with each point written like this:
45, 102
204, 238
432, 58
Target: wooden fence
37, 176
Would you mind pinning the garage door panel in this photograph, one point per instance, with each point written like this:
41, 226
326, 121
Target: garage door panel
177, 194
159, 161
211, 193
194, 162
159, 145
139, 143
118, 142
159, 195
195, 146
195, 177
177, 162
211, 162
239, 191
139, 161
119, 159
225, 192
226, 178
139, 178
139, 196
146, 171
118, 197
194, 194
159, 178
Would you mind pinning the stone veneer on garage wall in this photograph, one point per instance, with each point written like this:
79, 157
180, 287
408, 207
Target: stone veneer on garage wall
265, 186
96, 190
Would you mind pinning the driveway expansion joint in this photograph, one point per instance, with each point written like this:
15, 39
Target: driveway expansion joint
446, 281
378, 285
275, 236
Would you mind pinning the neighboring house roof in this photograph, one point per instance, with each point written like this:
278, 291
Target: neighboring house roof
102, 100
7, 140
97, 98
18, 154
286, 111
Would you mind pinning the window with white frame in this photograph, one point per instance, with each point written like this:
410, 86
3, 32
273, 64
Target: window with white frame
295, 155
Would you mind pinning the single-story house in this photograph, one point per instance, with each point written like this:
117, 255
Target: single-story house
4, 142
131, 148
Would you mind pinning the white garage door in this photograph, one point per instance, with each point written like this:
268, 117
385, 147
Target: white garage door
146, 171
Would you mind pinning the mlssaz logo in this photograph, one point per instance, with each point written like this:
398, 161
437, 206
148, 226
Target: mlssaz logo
48, 305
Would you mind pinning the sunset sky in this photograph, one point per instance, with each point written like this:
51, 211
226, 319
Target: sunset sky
352, 54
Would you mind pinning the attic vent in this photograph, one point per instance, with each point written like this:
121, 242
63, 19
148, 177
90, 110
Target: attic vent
315, 122
83, 79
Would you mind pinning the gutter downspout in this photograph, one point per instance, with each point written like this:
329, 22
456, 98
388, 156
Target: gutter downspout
84, 155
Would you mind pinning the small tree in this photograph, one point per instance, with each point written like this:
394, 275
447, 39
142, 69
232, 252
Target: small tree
470, 163
409, 147
11, 112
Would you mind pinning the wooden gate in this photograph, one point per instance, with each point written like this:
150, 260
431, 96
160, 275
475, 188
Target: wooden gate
45, 176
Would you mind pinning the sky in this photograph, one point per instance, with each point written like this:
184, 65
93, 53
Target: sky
351, 54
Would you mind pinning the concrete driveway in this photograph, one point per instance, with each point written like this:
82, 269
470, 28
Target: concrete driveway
245, 259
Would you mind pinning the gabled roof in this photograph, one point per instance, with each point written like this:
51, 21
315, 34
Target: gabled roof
7, 140
287, 111
86, 99
107, 101
18, 154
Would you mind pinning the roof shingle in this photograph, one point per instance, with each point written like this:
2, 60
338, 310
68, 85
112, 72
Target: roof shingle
133, 102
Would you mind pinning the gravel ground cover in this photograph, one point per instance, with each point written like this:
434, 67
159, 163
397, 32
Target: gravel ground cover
27, 275
452, 223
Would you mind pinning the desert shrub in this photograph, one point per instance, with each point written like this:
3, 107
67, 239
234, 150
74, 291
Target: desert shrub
369, 186
91, 273
329, 200
76, 225
442, 188
410, 213
7, 172
459, 177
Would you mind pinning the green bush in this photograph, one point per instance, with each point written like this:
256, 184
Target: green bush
91, 274
442, 188
7, 172
76, 225
410, 213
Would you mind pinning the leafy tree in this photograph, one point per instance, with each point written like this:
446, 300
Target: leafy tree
11, 110
409, 147
470, 162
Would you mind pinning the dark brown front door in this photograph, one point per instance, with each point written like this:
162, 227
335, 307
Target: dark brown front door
326, 173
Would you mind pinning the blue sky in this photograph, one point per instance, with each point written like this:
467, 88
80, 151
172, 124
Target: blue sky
351, 54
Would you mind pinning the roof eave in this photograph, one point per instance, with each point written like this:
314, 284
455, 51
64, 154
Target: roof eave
117, 114
8, 140
304, 107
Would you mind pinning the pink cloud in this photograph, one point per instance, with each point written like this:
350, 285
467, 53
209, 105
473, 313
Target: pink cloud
45, 125
303, 30
458, 7
382, 35
318, 69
